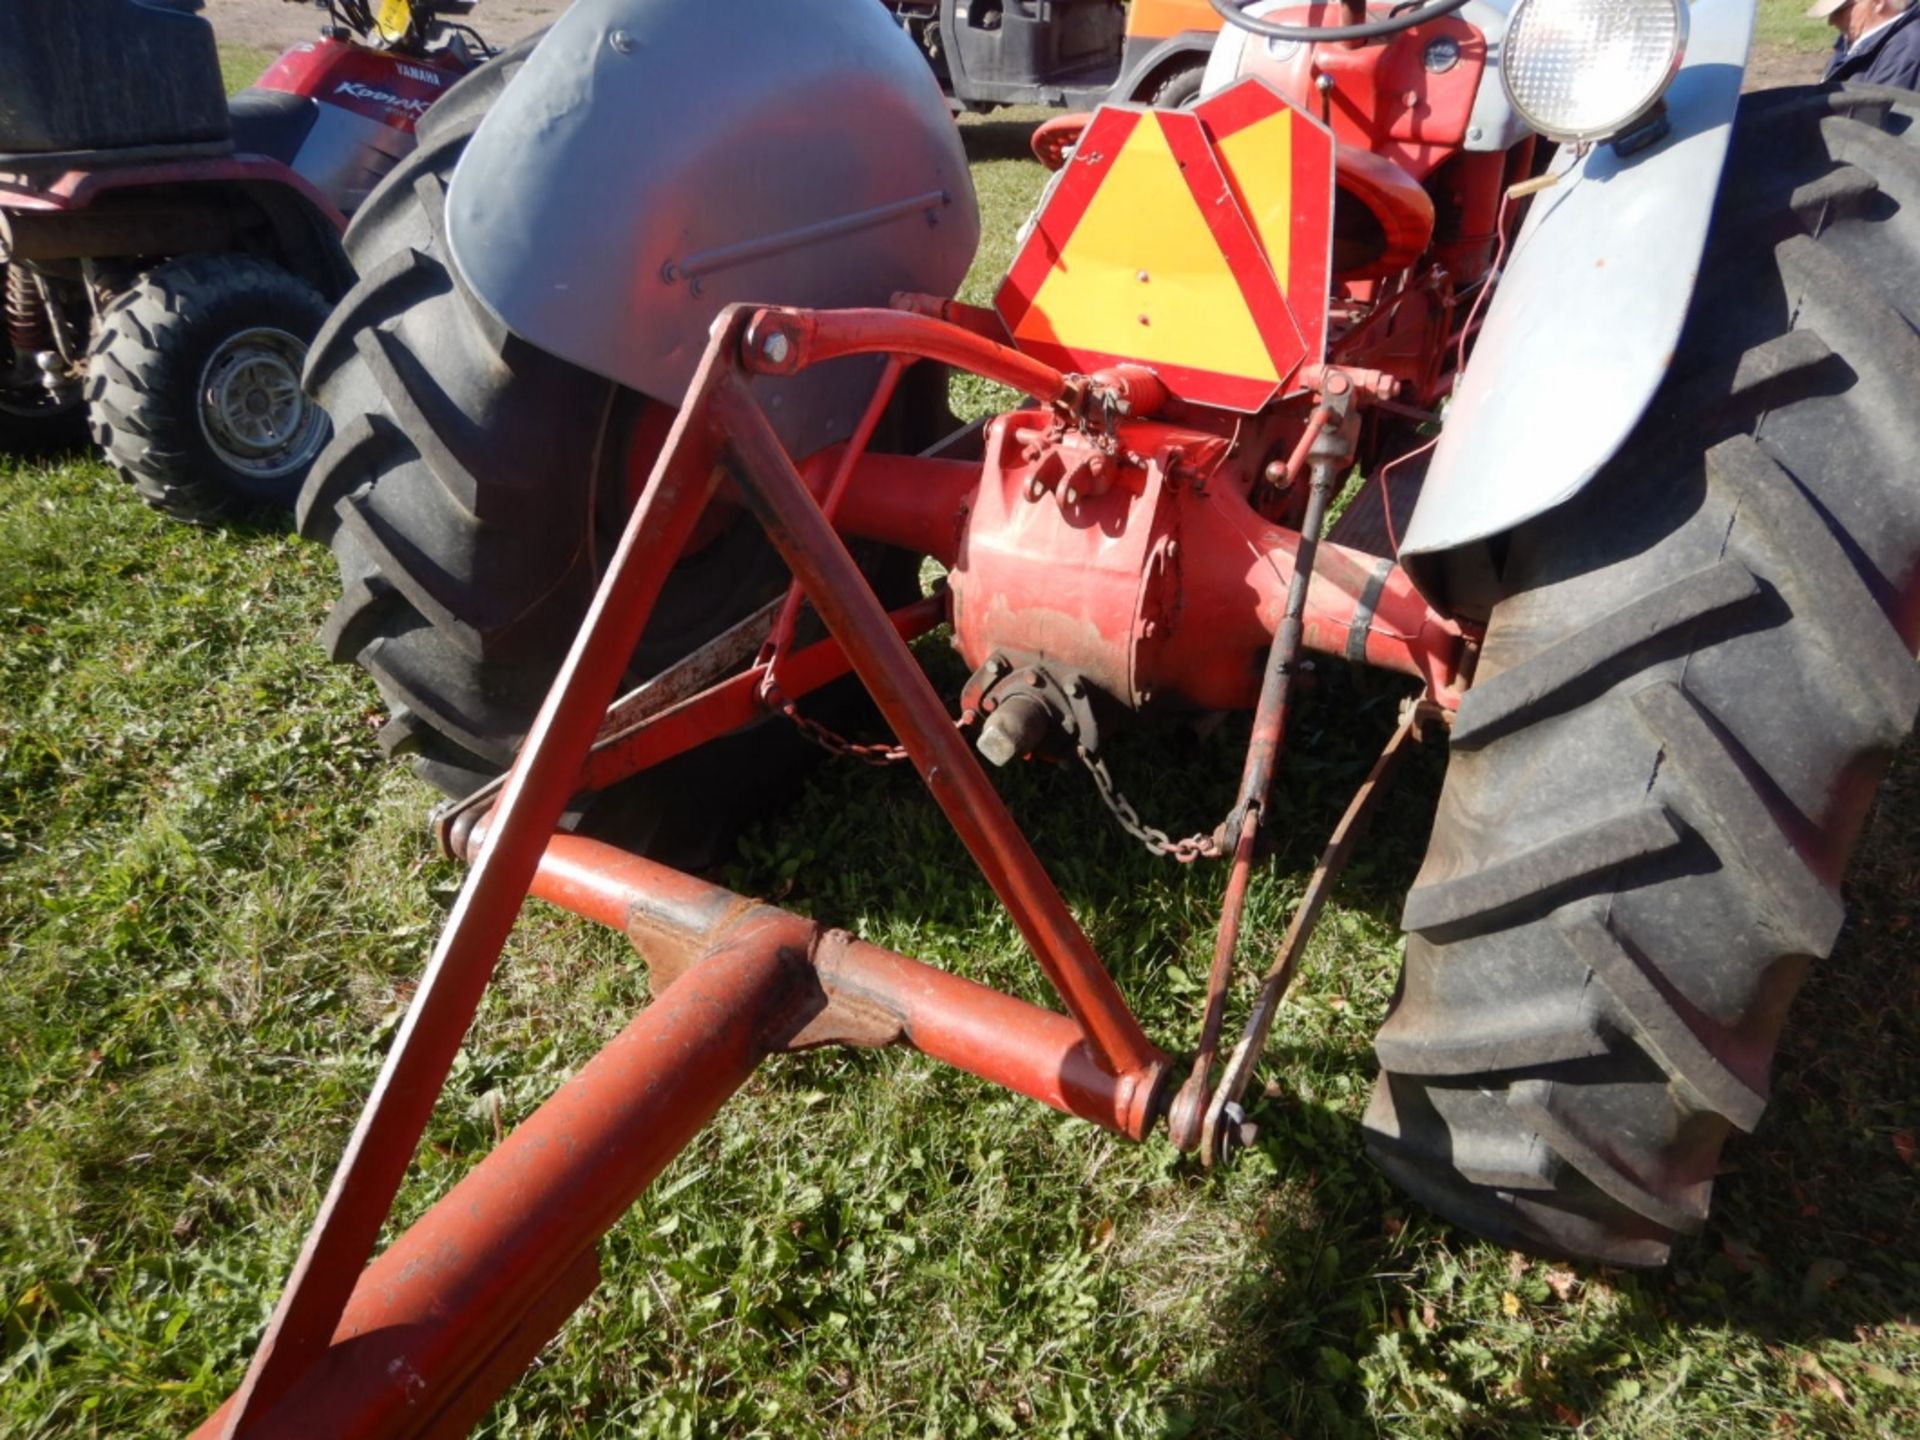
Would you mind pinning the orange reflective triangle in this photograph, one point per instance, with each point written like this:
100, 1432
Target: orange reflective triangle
1178, 240
1141, 275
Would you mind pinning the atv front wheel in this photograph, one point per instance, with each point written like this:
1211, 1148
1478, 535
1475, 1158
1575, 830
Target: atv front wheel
193, 386
1693, 678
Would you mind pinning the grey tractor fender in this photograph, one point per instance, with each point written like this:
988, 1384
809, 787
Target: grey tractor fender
1583, 324
655, 160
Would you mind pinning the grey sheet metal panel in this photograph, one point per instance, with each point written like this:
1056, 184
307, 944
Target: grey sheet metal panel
346, 155
1583, 325
1492, 125
657, 159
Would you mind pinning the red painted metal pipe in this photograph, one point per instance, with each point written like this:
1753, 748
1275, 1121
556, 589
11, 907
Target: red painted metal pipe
542, 780
1033, 1052
673, 918
916, 503
506, 1255
982, 320
781, 636
773, 489
781, 342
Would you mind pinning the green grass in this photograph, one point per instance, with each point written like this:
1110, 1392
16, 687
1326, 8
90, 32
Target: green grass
1784, 23
241, 65
215, 895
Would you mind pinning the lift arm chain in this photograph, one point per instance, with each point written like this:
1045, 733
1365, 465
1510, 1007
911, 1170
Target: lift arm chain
1194, 847
832, 741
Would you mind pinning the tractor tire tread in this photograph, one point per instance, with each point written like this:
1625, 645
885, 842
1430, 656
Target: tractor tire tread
1718, 632
1718, 796
1540, 874
1822, 581
1587, 659
1698, 1053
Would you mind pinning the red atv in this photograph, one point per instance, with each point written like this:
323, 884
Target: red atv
167, 255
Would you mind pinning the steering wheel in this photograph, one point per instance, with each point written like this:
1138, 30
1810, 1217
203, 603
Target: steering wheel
1230, 11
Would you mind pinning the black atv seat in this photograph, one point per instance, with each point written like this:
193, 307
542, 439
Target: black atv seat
107, 75
272, 123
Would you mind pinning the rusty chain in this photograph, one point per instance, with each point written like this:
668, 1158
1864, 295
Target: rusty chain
832, 741
1186, 851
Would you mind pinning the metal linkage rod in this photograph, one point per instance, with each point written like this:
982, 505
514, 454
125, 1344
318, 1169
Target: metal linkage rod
543, 779
781, 342
1273, 986
783, 626
460, 1304
1325, 446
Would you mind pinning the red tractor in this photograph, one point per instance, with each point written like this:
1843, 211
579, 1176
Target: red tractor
630, 437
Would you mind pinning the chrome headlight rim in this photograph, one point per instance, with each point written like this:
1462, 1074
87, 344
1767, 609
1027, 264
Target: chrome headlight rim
1628, 119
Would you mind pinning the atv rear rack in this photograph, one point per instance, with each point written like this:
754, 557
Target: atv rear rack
420, 1341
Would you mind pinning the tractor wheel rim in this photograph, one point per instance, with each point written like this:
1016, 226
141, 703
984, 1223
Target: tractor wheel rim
252, 410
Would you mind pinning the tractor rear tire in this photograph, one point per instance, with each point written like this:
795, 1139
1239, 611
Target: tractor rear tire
474, 489
1693, 678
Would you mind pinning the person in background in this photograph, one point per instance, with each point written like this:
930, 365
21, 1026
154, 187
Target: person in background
1879, 40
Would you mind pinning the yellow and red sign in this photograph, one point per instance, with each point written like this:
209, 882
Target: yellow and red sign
1196, 242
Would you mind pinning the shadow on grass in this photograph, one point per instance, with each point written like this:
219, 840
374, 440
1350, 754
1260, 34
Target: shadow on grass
1000, 139
249, 520
1350, 1310
254, 520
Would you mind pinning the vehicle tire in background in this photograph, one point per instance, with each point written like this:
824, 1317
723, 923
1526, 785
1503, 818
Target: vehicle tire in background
1691, 684
193, 386
1180, 88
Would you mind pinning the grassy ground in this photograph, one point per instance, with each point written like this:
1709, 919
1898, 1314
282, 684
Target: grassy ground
215, 896
1785, 23
241, 65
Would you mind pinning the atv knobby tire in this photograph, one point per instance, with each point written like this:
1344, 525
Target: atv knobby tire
193, 386
1693, 678
474, 488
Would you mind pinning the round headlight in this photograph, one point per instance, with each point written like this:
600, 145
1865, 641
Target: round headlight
1586, 69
